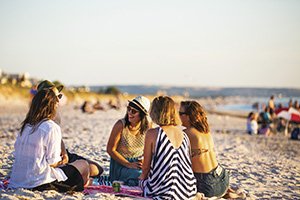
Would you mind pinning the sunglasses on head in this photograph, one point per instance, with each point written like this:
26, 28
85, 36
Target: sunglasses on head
131, 110
59, 96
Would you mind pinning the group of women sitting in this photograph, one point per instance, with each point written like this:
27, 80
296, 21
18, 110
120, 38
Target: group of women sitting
166, 161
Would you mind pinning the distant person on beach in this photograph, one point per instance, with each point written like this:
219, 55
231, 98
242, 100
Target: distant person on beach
296, 105
38, 164
290, 103
271, 105
167, 171
252, 125
98, 105
265, 121
212, 178
95, 169
87, 107
113, 105
126, 142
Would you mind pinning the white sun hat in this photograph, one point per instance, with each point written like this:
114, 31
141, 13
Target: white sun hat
142, 102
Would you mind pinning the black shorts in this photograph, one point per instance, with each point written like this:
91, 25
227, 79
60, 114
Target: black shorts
73, 183
73, 157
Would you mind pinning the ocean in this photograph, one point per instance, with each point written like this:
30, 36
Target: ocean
248, 95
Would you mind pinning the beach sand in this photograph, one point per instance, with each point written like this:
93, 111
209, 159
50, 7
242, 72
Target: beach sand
262, 167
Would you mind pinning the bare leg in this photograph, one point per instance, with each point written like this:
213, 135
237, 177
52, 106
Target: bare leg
95, 168
83, 167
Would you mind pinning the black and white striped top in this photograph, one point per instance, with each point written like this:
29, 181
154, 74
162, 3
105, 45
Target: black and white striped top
171, 175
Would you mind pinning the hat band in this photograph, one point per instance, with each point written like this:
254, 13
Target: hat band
140, 106
133, 105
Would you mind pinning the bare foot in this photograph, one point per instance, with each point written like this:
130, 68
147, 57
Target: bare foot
89, 182
199, 196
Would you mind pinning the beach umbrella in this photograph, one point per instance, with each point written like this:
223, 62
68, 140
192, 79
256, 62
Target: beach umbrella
278, 110
291, 115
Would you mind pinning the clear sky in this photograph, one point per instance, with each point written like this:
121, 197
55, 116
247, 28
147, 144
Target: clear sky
249, 43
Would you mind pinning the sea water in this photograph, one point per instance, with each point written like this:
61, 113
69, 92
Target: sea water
249, 107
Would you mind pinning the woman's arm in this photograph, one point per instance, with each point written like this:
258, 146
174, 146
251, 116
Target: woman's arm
64, 154
149, 146
57, 164
53, 141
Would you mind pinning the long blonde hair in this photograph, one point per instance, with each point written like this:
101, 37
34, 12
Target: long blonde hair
43, 107
163, 111
197, 115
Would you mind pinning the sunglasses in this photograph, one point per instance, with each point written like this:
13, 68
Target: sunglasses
182, 113
59, 96
132, 110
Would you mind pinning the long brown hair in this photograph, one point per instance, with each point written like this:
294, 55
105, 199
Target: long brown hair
43, 107
197, 115
163, 111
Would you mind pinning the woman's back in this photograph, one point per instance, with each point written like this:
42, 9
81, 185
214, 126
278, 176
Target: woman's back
174, 134
33, 151
203, 154
171, 175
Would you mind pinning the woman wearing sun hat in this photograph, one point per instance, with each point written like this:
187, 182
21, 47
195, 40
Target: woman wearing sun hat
126, 142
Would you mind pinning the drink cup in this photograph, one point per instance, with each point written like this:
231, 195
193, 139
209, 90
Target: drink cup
117, 186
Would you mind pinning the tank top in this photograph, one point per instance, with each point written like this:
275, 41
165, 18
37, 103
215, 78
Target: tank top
171, 175
131, 145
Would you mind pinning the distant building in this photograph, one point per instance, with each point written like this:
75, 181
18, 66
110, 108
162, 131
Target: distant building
22, 79
83, 89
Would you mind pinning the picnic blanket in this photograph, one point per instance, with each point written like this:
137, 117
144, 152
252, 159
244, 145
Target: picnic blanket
103, 184
125, 191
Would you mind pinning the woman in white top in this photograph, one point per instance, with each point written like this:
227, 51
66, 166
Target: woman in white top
38, 162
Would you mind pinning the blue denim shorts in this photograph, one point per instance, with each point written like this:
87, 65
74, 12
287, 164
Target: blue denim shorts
214, 183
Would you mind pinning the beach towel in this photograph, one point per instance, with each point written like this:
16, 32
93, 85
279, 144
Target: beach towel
103, 180
125, 191
104, 185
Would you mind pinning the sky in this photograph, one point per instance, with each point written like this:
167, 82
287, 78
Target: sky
225, 43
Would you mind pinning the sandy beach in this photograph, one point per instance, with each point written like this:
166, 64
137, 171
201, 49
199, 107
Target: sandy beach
262, 167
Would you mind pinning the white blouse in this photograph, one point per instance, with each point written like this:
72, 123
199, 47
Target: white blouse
34, 153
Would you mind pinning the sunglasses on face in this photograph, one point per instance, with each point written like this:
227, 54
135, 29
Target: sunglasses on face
182, 113
132, 110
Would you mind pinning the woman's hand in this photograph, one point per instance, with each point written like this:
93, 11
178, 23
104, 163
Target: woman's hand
64, 159
134, 165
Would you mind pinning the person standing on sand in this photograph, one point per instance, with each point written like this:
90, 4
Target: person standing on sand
38, 164
212, 178
126, 142
167, 171
95, 169
271, 105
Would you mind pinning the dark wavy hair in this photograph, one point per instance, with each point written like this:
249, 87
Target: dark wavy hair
197, 115
43, 107
163, 111
145, 124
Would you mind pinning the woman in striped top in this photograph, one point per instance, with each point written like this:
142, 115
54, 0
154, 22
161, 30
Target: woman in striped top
167, 171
